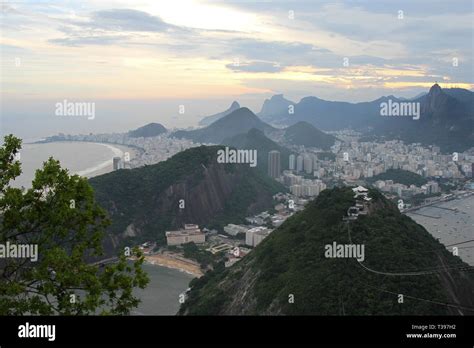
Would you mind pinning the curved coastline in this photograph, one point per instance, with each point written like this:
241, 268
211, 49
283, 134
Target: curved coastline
91, 171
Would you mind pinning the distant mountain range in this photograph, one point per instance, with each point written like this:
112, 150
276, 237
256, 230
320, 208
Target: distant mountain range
235, 129
237, 122
206, 121
149, 130
446, 119
144, 202
290, 273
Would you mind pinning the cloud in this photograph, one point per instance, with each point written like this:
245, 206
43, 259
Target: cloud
88, 40
127, 20
114, 26
255, 67
285, 53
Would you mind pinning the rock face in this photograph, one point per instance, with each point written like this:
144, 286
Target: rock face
144, 202
289, 272
274, 108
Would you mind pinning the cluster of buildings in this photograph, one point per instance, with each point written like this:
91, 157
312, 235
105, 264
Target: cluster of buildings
356, 160
311, 171
361, 194
121, 162
301, 187
253, 234
388, 186
150, 150
190, 233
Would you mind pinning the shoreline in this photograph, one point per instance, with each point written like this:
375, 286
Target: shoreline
103, 167
180, 264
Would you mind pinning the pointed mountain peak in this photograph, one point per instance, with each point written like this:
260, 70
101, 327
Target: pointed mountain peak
235, 105
435, 89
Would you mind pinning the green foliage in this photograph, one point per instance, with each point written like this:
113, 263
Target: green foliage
149, 130
291, 261
303, 133
60, 216
400, 176
191, 251
130, 196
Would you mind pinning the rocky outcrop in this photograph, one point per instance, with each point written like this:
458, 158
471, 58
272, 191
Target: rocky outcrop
190, 187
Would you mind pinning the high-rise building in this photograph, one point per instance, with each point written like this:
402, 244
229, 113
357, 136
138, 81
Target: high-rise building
292, 162
274, 167
308, 164
117, 163
299, 163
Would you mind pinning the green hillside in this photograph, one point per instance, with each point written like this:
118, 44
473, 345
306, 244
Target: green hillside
303, 133
400, 176
144, 202
292, 262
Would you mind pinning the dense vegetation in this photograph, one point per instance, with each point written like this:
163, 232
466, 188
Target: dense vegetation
59, 215
400, 176
291, 261
192, 252
140, 195
303, 133
149, 130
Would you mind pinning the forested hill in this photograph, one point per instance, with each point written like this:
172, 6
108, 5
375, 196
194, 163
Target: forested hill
288, 273
144, 202
400, 176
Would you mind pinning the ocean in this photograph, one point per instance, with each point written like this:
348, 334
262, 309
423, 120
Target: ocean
85, 159
451, 226
161, 296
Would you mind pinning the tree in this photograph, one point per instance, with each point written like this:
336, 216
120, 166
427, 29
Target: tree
59, 215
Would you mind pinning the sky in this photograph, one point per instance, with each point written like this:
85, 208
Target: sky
140, 60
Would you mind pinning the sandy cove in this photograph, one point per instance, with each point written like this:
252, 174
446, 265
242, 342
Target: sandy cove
175, 262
